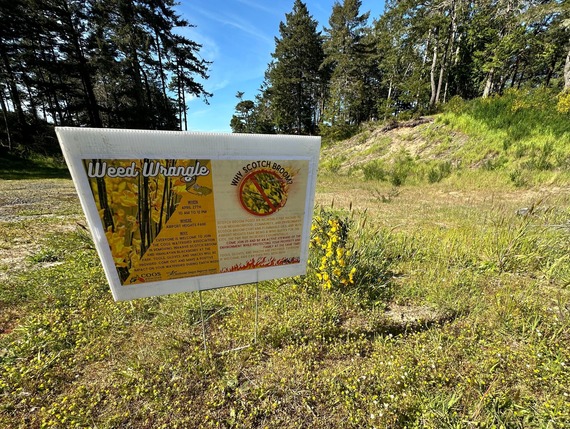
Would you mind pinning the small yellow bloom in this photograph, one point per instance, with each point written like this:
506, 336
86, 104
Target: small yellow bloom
351, 275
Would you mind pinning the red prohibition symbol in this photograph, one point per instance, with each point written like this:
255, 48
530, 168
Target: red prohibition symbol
262, 192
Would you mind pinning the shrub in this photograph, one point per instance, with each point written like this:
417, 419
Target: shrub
403, 165
375, 170
330, 255
518, 178
344, 257
338, 132
455, 105
563, 105
334, 164
439, 172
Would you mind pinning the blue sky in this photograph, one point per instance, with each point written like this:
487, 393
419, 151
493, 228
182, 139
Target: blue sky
238, 36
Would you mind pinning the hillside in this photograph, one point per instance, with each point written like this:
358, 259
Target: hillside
521, 136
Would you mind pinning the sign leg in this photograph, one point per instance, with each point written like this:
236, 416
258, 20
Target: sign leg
256, 312
203, 322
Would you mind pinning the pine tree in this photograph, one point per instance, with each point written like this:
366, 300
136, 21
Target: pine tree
112, 63
348, 53
399, 63
295, 82
243, 120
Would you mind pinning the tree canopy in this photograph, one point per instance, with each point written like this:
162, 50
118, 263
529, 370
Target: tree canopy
105, 63
411, 59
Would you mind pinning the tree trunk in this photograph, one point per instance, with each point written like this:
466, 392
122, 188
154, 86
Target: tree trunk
5, 115
441, 74
515, 71
160, 64
489, 83
449, 46
12, 86
432, 77
149, 103
567, 72
184, 111
88, 87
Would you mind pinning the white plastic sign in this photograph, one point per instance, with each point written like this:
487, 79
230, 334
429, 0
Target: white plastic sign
177, 211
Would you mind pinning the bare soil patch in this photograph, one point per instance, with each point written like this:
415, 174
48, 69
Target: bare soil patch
29, 211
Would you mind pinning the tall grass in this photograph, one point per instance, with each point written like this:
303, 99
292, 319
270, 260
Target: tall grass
517, 132
34, 166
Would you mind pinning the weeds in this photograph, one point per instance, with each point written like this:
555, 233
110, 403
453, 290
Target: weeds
439, 171
375, 170
388, 197
325, 355
333, 165
345, 256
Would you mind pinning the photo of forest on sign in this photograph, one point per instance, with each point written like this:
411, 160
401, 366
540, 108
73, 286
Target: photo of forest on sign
133, 210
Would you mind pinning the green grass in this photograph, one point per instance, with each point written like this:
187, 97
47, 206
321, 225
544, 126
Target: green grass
521, 136
456, 315
13, 167
495, 351
521, 130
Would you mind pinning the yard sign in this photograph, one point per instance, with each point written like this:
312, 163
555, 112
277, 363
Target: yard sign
177, 211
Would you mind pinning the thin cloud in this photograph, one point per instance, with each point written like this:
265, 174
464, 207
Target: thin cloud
262, 7
236, 22
210, 49
219, 85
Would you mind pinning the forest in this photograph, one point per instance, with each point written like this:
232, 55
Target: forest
124, 64
104, 63
415, 57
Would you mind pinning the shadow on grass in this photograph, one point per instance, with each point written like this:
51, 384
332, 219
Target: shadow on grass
17, 168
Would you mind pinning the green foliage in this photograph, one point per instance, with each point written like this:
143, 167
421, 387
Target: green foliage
375, 170
401, 168
439, 171
345, 257
337, 132
520, 131
456, 105
519, 178
348, 54
100, 64
333, 165
331, 259
295, 79
243, 120
33, 166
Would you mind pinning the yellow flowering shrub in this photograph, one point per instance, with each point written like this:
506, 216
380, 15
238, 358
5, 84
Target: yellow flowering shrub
563, 105
331, 261
344, 256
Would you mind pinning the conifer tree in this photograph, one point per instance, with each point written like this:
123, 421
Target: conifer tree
243, 120
93, 63
295, 82
348, 53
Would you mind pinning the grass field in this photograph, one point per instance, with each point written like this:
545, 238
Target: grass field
451, 308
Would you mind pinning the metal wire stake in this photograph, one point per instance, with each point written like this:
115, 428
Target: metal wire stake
203, 322
256, 312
